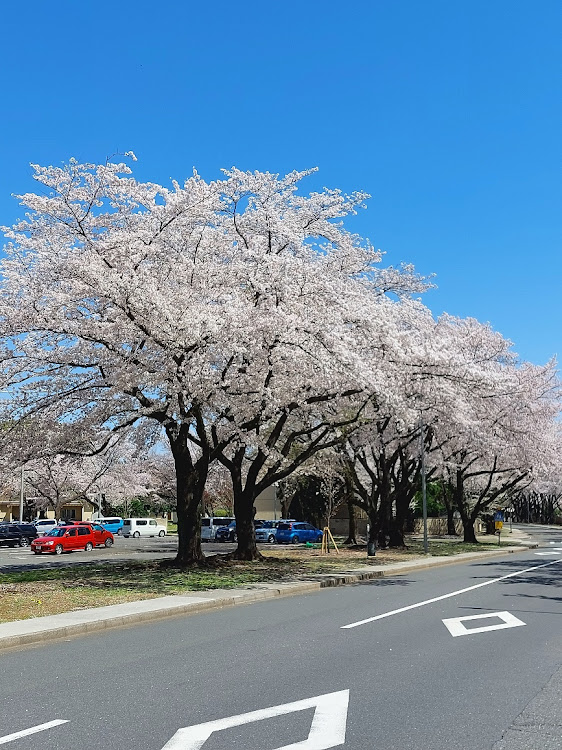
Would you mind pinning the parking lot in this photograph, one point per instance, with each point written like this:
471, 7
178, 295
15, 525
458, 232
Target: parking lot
122, 549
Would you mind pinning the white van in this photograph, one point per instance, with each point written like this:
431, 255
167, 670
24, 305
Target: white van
45, 525
209, 526
142, 527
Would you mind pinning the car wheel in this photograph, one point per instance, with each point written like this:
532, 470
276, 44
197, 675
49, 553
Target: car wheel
271, 538
58, 549
319, 537
120, 532
24, 542
295, 540
108, 542
234, 537
89, 547
162, 533
136, 534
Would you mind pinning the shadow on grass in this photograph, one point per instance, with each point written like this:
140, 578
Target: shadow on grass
156, 577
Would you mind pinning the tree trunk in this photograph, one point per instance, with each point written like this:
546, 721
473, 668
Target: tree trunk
398, 523
244, 512
451, 528
467, 523
384, 517
352, 528
190, 484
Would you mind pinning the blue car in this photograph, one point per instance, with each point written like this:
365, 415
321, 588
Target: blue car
112, 524
296, 532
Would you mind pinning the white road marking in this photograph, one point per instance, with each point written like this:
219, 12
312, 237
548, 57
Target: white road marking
327, 729
455, 625
446, 596
32, 730
553, 553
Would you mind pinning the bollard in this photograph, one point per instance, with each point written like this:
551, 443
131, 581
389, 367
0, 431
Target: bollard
371, 547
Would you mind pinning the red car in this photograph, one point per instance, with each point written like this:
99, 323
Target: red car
102, 537
82, 536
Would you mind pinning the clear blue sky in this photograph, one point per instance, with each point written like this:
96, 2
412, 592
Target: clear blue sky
448, 112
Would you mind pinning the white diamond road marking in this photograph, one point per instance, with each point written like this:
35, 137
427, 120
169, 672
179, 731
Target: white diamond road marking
455, 625
327, 729
32, 730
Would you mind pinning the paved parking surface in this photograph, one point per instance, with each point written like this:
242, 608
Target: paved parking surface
123, 549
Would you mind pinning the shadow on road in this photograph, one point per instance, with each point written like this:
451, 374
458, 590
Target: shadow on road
380, 582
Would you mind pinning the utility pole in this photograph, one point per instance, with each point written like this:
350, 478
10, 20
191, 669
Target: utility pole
21, 494
424, 489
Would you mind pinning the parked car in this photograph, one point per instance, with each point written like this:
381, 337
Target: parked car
142, 527
65, 539
102, 537
113, 524
210, 525
293, 533
44, 525
268, 532
17, 534
228, 533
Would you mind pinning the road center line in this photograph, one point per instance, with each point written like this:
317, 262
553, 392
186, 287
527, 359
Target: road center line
32, 730
446, 596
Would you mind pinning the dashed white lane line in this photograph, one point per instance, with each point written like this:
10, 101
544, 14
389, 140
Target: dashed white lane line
32, 730
447, 596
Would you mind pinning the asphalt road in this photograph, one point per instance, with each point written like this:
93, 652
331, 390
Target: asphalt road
399, 679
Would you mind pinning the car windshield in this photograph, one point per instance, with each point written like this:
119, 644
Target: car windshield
61, 531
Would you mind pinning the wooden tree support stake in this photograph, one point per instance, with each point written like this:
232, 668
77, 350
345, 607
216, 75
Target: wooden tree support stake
326, 538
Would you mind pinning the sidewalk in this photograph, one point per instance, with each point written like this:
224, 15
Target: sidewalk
42, 629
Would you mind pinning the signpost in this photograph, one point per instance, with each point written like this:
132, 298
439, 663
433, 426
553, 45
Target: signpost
498, 522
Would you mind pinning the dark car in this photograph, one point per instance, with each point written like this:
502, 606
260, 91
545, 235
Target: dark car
17, 534
294, 533
228, 533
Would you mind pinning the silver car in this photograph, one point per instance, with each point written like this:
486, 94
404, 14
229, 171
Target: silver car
267, 532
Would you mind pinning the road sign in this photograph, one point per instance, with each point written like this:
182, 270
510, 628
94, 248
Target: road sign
327, 729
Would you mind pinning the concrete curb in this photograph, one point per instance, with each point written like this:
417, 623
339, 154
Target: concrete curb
71, 624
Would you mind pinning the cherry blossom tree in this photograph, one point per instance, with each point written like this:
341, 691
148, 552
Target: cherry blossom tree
223, 313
